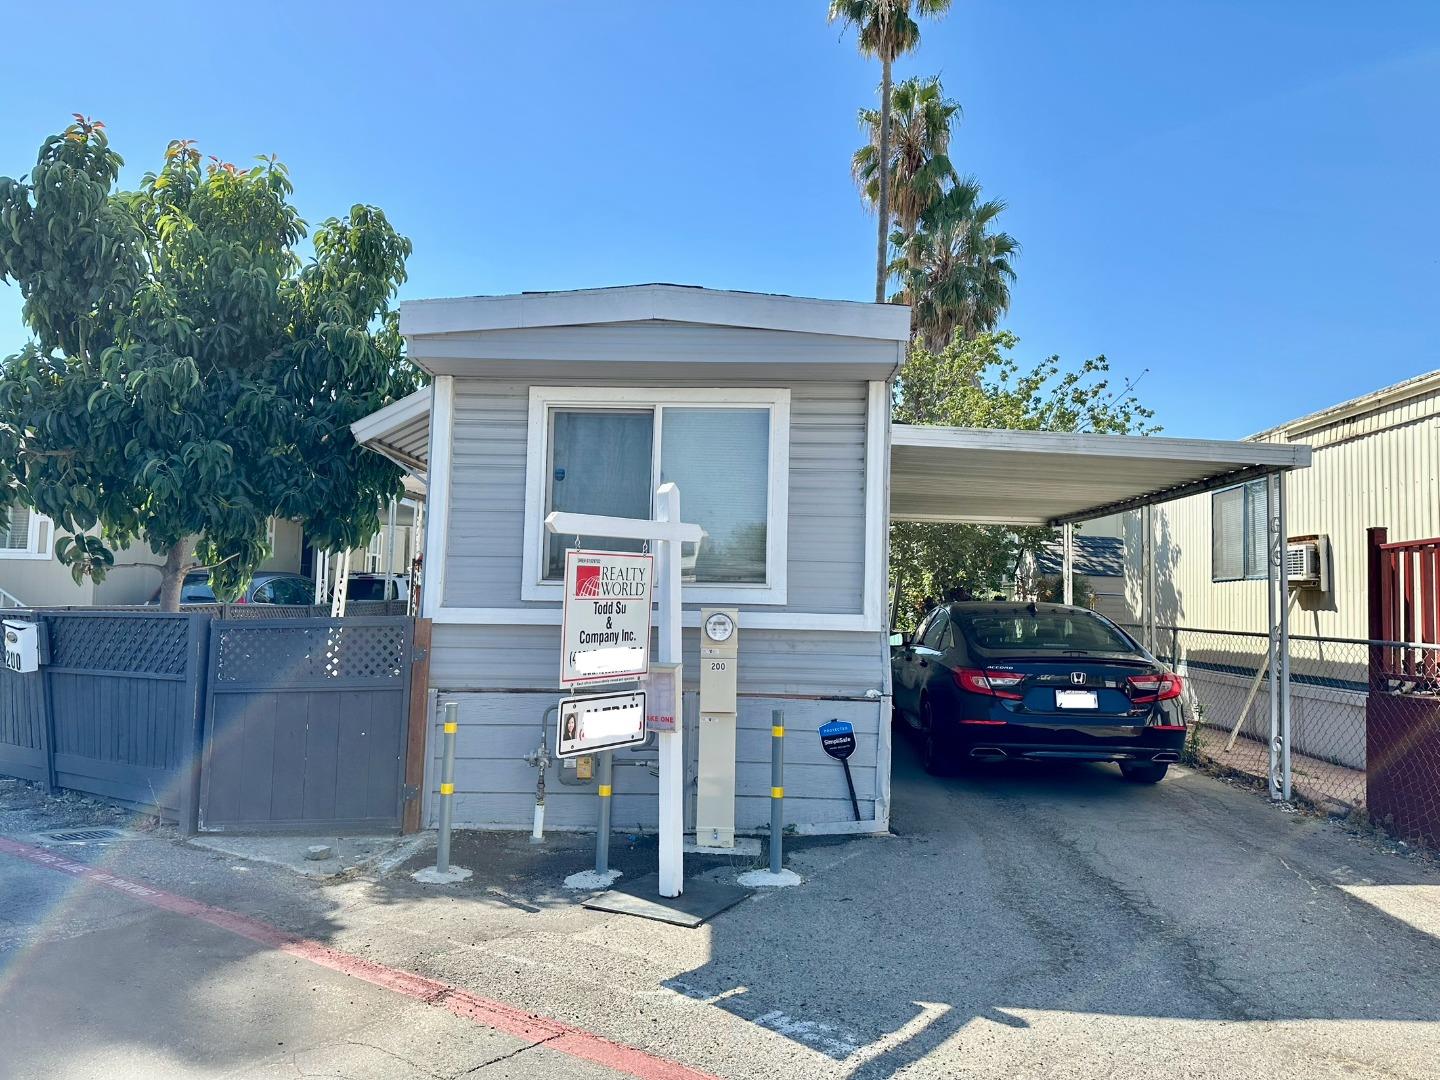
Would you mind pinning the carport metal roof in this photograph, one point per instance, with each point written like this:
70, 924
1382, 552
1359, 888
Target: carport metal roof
989, 476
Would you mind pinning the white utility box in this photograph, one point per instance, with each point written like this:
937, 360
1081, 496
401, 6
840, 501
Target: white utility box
22, 646
715, 785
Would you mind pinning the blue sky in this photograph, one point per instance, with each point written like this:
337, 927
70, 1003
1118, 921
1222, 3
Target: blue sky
1238, 196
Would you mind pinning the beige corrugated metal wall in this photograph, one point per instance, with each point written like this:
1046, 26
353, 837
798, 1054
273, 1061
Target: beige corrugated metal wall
1373, 465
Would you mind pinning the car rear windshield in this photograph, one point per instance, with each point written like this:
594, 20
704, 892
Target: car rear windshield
196, 590
1041, 633
365, 589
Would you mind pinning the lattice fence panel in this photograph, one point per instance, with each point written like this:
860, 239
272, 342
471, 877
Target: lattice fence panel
296, 656
152, 644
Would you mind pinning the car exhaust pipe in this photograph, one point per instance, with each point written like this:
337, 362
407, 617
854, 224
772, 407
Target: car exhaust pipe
992, 752
1167, 756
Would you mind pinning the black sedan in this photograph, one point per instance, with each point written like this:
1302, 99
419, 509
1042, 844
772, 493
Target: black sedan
998, 681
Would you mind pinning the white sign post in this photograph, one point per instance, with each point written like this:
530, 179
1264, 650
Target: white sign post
667, 532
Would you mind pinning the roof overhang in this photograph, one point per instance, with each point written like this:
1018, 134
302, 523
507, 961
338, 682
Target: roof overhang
987, 476
655, 333
401, 432
657, 302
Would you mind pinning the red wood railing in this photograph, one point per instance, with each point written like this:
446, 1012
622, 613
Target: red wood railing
1407, 608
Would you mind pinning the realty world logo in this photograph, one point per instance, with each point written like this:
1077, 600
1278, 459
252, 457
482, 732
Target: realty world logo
587, 582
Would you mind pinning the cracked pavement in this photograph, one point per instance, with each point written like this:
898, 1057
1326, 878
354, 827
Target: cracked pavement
1024, 923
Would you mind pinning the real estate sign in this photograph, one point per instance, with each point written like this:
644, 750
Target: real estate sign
598, 722
605, 634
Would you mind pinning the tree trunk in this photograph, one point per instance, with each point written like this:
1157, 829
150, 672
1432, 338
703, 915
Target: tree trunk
172, 576
882, 244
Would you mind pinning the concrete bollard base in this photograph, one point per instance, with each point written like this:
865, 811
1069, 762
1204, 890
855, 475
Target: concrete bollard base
433, 876
764, 879
588, 880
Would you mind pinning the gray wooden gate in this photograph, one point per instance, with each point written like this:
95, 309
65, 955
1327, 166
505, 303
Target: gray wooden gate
305, 724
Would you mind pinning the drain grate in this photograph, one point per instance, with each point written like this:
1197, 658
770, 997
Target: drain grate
72, 836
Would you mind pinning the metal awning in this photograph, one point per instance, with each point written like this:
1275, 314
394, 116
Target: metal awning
988, 476
401, 432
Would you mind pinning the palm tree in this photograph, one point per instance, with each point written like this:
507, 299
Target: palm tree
920, 169
956, 272
886, 29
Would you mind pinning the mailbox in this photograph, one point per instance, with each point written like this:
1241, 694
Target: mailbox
715, 785
22, 646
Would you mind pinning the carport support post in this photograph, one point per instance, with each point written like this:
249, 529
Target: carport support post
389, 558
1067, 561
1279, 628
1147, 583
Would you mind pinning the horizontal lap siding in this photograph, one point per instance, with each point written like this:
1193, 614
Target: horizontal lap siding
487, 500
505, 676
827, 498
810, 662
495, 787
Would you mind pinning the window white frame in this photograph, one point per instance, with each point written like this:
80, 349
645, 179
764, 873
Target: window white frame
544, 399
33, 548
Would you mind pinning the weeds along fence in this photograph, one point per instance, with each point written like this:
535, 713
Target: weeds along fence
1364, 719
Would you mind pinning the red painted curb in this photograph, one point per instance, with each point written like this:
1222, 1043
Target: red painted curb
553, 1034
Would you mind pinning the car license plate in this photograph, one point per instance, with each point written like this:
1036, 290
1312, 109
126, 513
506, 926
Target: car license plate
1076, 699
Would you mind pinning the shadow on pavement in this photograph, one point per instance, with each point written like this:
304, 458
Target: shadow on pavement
1064, 889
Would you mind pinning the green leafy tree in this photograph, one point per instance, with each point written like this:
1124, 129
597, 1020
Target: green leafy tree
189, 377
920, 170
977, 382
885, 29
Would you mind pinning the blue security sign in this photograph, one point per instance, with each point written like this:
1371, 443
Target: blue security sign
838, 738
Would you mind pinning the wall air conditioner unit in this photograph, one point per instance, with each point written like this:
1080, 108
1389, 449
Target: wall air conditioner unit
1307, 563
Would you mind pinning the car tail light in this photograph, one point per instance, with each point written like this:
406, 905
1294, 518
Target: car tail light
1001, 684
1164, 686
243, 599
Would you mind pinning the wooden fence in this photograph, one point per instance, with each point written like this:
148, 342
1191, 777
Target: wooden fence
119, 707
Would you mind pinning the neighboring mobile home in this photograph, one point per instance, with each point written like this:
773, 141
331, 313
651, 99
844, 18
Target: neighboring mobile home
1376, 463
31, 575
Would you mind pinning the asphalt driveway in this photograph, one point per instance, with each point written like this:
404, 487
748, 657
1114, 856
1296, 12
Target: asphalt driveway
1026, 923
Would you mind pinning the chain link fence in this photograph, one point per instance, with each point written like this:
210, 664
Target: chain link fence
1364, 719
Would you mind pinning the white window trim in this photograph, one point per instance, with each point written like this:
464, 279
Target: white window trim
32, 549
777, 516
437, 515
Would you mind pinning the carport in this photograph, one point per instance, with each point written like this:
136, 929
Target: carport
988, 477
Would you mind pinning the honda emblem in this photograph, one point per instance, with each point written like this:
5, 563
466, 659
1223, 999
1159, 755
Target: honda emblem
1078, 678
